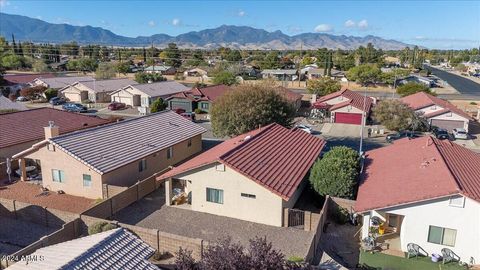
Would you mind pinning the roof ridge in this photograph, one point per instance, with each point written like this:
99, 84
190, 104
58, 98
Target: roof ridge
436, 142
265, 128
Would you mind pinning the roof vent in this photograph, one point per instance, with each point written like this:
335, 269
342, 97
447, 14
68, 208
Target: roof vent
51, 123
247, 138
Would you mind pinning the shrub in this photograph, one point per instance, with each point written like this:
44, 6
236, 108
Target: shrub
340, 215
101, 226
50, 93
184, 260
323, 86
393, 114
473, 103
158, 105
412, 88
199, 111
295, 259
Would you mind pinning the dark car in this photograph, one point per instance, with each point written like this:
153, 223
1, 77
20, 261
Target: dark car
57, 100
74, 107
402, 134
441, 134
117, 106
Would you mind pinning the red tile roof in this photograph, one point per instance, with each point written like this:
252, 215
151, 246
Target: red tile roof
416, 170
422, 100
209, 93
25, 126
275, 157
355, 99
25, 78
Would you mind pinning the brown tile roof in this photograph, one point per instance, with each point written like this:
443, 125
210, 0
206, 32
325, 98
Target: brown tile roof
355, 99
422, 100
416, 170
209, 93
25, 78
275, 157
25, 126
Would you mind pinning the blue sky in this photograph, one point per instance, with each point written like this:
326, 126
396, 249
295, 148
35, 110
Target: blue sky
433, 24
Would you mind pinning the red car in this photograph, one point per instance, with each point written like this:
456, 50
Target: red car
117, 106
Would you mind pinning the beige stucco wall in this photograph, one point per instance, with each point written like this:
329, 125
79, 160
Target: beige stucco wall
73, 170
128, 175
15, 149
123, 176
266, 208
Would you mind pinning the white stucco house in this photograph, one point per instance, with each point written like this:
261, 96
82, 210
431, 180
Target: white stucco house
438, 112
423, 191
144, 94
94, 91
252, 177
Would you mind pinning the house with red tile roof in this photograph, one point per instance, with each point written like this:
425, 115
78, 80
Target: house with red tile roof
439, 113
345, 106
424, 191
16, 82
197, 98
20, 130
251, 177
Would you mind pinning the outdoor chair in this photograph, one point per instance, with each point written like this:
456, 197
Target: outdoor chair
415, 250
449, 256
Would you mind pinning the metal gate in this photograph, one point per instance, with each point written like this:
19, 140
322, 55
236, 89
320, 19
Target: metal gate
296, 218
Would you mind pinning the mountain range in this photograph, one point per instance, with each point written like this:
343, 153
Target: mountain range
238, 37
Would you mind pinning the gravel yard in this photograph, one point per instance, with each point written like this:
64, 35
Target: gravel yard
16, 234
151, 213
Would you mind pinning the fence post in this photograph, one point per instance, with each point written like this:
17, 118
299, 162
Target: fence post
285, 217
307, 221
15, 208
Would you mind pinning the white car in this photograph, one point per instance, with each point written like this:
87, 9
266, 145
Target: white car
305, 128
22, 99
460, 133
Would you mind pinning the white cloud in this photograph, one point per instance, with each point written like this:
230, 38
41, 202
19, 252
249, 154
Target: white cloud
323, 28
350, 24
176, 22
363, 24
241, 13
4, 3
151, 23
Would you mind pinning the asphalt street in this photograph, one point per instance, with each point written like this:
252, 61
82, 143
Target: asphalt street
466, 87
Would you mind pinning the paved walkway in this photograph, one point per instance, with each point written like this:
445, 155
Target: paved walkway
152, 213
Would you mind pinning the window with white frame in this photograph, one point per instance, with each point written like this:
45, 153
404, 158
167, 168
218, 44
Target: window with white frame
87, 180
58, 176
442, 236
457, 201
169, 152
142, 165
215, 195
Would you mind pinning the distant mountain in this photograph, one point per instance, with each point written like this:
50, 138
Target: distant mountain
239, 37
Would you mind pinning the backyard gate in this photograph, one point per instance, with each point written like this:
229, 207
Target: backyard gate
296, 218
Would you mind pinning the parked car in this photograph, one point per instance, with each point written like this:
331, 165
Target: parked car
305, 128
460, 133
22, 98
57, 100
117, 106
441, 134
402, 134
74, 107
189, 116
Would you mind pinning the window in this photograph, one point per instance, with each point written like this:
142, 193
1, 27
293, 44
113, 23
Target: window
169, 152
189, 142
442, 236
51, 147
204, 106
58, 176
246, 195
87, 180
220, 167
215, 195
142, 165
457, 202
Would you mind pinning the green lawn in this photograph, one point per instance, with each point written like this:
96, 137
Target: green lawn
384, 261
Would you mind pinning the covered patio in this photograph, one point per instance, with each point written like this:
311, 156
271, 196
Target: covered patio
383, 233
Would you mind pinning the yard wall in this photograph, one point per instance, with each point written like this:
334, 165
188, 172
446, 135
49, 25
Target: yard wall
316, 222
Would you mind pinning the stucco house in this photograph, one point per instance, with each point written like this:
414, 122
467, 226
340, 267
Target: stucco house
438, 112
201, 98
417, 79
164, 70
424, 191
60, 82
144, 94
119, 154
16, 82
195, 72
251, 177
94, 91
280, 74
20, 130
344, 106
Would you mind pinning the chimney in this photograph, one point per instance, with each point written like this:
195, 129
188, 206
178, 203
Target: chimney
51, 130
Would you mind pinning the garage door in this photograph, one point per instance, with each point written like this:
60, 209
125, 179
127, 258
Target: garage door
348, 118
126, 100
447, 124
73, 97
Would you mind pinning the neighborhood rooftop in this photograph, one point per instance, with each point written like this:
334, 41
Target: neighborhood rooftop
422, 100
355, 99
28, 125
275, 157
414, 170
7, 104
107, 85
60, 82
108, 147
113, 249
208, 93
165, 88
